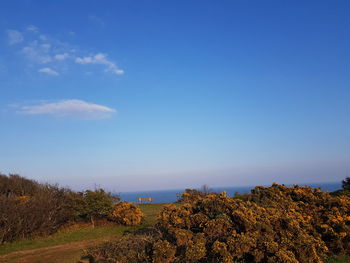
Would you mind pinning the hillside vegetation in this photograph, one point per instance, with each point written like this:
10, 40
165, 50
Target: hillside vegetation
30, 209
66, 246
270, 225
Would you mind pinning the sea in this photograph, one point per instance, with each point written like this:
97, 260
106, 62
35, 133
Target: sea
170, 196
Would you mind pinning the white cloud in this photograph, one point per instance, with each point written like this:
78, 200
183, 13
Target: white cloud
72, 108
33, 29
48, 71
14, 37
36, 52
101, 59
61, 57
38, 48
118, 71
45, 47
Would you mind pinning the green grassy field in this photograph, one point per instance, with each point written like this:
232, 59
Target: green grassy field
64, 236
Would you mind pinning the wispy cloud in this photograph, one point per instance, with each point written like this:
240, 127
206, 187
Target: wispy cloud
14, 37
39, 48
61, 57
48, 71
33, 29
73, 108
97, 20
101, 59
39, 53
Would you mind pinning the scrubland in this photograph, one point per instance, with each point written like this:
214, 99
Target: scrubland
270, 224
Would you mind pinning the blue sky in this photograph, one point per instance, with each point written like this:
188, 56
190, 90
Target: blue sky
140, 95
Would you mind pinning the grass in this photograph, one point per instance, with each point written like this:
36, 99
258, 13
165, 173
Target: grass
83, 233
64, 236
151, 211
52, 257
340, 259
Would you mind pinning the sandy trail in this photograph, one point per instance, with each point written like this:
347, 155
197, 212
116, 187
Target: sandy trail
65, 253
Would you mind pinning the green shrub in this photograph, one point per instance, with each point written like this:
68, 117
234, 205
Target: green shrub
96, 204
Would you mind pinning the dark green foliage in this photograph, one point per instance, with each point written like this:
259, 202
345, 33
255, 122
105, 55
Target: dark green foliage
340, 192
96, 204
346, 184
345, 188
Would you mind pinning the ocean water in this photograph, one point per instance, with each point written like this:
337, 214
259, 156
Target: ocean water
169, 196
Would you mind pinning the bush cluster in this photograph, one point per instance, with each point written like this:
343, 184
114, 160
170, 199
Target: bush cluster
91, 205
191, 195
28, 208
328, 217
345, 188
128, 248
126, 213
274, 224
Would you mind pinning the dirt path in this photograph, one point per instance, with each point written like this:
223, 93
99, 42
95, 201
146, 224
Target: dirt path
66, 253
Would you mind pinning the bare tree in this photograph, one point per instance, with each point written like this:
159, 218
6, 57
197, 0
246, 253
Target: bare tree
205, 189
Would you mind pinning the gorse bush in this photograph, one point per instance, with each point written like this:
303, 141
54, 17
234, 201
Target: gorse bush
191, 195
274, 224
194, 194
222, 229
126, 213
327, 217
128, 248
